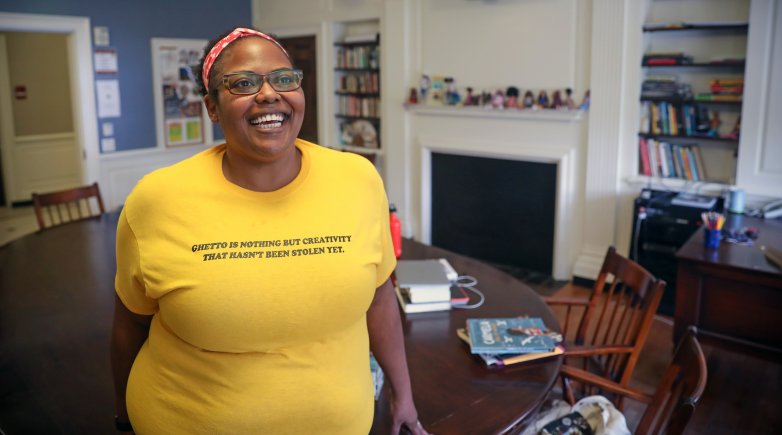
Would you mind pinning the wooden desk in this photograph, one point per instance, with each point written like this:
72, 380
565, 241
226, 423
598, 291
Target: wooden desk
733, 294
56, 306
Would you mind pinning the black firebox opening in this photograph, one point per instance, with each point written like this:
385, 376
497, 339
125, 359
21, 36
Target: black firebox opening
499, 211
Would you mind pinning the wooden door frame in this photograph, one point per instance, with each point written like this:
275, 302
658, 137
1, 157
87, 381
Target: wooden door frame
82, 78
320, 33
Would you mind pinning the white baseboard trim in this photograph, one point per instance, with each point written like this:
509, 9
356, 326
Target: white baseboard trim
589, 262
119, 172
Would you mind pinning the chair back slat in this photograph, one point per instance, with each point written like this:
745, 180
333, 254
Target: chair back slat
67, 206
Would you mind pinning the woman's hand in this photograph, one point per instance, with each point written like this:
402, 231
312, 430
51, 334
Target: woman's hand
404, 415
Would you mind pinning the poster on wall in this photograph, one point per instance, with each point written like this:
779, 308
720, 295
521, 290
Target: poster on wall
180, 114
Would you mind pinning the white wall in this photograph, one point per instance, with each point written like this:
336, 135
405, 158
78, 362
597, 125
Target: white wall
537, 45
534, 44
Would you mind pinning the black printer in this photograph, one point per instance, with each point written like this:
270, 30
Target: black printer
662, 222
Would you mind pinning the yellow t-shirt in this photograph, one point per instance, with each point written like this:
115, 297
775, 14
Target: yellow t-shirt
259, 298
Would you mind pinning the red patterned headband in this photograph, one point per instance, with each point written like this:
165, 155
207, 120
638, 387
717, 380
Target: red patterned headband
238, 32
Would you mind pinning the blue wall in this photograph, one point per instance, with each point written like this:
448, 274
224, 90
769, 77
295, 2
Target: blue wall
131, 26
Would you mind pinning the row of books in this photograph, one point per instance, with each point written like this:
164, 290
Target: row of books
358, 57
674, 119
666, 160
730, 90
502, 341
351, 105
367, 82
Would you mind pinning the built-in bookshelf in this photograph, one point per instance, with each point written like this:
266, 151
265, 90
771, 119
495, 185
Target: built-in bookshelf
691, 100
357, 92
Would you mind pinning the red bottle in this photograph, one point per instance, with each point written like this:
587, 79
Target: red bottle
396, 230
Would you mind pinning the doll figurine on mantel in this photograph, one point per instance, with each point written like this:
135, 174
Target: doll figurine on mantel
413, 98
556, 100
452, 97
498, 100
424, 88
543, 101
585, 102
512, 94
529, 100
470, 99
569, 103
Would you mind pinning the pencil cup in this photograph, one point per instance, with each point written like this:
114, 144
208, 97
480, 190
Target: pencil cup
712, 238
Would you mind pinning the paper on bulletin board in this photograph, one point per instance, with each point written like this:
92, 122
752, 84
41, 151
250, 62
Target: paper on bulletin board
179, 106
108, 98
105, 60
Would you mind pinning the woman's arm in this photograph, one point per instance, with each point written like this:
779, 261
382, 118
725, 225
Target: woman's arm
129, 332
387, 343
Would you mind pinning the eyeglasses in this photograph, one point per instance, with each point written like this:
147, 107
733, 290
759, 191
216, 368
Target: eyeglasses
249, 83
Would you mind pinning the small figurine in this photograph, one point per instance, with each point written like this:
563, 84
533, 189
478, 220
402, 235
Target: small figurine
736, 132
452, 97
569, 103
424, 87
486, 99
529, 100
512, 94
543, 101
498, 100
470, 99
585, 102
438, 91
413, 98
714, 123
556, 100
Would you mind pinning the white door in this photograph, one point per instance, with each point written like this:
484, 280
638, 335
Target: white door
38, 136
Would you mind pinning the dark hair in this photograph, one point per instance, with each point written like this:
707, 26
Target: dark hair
203, 88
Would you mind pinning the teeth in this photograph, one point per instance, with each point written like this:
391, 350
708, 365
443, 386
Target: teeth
269, 120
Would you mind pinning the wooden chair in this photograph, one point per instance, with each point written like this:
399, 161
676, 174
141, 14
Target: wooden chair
57, 208
673, 403
614, 322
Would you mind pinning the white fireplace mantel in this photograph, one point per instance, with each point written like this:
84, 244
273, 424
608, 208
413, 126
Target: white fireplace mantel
565, 248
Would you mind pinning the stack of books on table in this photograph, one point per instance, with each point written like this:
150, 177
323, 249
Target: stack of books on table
422, 286
502, 341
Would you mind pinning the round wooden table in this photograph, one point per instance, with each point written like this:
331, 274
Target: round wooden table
56, 304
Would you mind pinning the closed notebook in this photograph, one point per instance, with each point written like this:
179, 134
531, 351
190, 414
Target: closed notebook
509, 335
425, 280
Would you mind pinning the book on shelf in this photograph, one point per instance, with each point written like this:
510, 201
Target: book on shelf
423, 280
728, 98
504, 335
423, 307
500, 360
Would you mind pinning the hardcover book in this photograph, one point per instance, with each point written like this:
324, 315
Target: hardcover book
423, 281
505, 335
501, 360
424, 307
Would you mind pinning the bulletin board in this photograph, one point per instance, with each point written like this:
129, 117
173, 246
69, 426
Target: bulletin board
180, 114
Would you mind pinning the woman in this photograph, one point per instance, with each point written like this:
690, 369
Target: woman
253, 278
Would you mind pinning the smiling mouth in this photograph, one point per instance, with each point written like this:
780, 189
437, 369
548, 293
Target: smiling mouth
269, 121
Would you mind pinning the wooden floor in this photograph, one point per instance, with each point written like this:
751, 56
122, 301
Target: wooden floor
743, 393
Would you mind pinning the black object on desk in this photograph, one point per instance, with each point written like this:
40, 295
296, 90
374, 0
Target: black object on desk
662, 222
